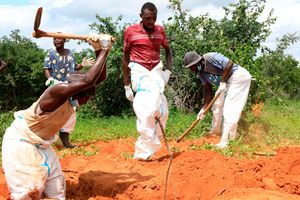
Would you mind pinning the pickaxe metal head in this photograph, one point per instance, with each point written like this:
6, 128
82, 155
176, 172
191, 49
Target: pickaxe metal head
37, 22
38, 17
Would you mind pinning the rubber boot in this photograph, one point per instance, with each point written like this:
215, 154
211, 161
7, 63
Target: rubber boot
64, 136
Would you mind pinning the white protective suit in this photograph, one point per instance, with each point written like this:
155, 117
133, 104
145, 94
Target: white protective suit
230, 105
30, 163
149, 102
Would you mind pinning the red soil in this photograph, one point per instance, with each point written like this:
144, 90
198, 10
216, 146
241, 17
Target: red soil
194, 174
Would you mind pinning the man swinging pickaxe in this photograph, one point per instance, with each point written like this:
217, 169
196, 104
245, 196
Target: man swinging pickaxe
39, 33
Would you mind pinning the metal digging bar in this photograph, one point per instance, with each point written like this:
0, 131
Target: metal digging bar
170, 154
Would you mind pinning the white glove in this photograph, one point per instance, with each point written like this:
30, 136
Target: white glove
221, 88
105, 41
93, 39
129, 93
156, 113
201, 114
86, 62
100, 41
51, 82
166, 76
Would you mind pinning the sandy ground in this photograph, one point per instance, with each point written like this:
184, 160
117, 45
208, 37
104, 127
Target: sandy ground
105, 170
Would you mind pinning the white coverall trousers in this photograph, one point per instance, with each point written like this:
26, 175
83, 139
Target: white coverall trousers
149, 102
230, 105
70, 124
30, 163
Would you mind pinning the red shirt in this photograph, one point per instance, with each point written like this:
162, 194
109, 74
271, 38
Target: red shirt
144, 49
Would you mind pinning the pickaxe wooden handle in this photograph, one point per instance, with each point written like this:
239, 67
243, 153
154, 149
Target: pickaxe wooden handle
39, 33
197, 120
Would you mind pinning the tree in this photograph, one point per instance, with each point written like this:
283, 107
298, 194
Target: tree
278, 73
23, 79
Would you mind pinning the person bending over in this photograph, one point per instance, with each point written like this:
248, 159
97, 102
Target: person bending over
233, 82
31, 167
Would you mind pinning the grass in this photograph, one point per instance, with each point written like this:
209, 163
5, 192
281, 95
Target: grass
112, 128
126, 155
282, 124
178, 122
82, 150
275, 126
89, 130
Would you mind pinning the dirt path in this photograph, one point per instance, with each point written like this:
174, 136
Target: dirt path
106, 171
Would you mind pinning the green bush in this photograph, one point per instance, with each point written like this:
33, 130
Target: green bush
23, 80
5, 120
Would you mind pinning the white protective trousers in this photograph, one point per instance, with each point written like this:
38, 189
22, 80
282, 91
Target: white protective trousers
30, 163
149, 102
230, 105
70, 124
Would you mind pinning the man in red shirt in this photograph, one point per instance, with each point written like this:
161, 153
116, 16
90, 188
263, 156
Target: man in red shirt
141, 57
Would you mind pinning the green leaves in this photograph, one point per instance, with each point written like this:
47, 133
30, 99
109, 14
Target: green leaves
278, 74
23, 80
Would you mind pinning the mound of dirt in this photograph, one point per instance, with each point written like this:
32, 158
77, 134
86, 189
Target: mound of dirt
105, 170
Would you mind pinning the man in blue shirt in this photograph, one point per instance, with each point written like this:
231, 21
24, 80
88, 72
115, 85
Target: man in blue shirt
233, 82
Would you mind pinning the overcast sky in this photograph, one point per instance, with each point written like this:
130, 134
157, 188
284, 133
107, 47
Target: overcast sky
74, 16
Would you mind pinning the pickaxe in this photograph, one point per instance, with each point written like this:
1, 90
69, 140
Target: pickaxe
39, 33
197, 120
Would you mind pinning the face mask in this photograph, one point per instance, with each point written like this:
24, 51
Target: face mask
199, 68
74, 102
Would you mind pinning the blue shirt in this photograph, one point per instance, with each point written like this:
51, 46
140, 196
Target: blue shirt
216, 60
59, 65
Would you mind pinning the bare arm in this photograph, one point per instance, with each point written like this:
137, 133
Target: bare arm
55, 96
102, 76
47, 73
227, 71
78, 67
126, 70
169, 58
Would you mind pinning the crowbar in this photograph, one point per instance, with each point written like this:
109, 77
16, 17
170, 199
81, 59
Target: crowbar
197, 120
170, 154
39, 33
